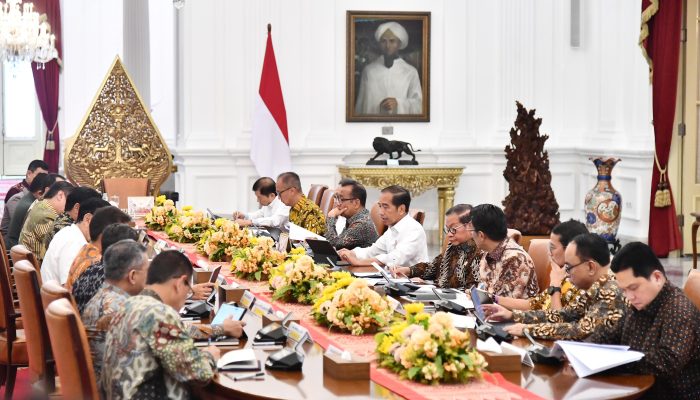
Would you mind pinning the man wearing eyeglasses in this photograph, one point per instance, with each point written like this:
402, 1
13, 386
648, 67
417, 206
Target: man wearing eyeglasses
586, 262
272, 211
359, 230
304, 212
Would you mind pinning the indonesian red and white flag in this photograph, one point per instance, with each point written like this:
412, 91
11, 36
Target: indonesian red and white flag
269, 147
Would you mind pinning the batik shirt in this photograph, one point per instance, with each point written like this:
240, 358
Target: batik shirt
97, 318
62, 221
88, 284
308, 215
359, 231
508, 271
88, 255
457, 267
601, 306
148, 353
36, 227
570, 294
667, 331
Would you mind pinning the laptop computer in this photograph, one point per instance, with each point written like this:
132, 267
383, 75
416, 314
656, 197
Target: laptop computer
325, 253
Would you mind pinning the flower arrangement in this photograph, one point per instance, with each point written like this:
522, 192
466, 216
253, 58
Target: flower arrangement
223, 240
189, 227
428, 349
298, 279
350, 304
162, 215
257, 260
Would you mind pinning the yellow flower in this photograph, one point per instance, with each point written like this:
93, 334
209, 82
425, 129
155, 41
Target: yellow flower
414, 308
186, 208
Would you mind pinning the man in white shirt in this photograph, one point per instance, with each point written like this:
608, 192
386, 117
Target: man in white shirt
390, 85
272, 211
67, 243
404, 243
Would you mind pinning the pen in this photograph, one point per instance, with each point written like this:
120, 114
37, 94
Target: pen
248, 376
209, 340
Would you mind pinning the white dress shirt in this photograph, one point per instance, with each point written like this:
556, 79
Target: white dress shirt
403, 244
62, 250
275, 214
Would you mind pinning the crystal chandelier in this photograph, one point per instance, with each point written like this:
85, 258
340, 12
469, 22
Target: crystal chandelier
24, 36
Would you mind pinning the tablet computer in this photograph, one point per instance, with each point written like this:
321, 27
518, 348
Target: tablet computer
227, 310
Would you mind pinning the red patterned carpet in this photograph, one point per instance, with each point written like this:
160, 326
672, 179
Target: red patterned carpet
23, 387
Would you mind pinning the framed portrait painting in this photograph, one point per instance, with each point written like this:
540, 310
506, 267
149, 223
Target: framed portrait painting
388, 66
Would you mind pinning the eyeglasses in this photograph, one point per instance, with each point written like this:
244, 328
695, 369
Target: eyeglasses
569, 267
282, 191
339, 199
454, 229
190, 292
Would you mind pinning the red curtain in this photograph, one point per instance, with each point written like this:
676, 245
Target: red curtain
660, 40
46, 83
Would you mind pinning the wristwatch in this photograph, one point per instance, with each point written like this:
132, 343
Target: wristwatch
553, 289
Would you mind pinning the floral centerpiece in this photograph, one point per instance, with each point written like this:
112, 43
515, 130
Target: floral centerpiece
223, 240
350, 304
162, 215
428, 349
298, 279
257, 260
189, 227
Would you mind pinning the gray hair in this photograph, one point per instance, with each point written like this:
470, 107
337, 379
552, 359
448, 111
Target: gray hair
122, 257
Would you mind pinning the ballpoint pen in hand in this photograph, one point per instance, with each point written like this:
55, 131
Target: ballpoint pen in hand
249, 376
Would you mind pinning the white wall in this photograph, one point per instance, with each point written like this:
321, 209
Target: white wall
593, 99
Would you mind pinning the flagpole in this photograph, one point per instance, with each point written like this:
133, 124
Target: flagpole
269, 28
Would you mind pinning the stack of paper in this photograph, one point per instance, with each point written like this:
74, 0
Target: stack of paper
296, 232
588, 358
492, 346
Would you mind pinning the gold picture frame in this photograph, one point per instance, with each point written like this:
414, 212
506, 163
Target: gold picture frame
388, 73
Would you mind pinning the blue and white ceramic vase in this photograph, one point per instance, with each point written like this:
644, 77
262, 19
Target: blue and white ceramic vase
603, 203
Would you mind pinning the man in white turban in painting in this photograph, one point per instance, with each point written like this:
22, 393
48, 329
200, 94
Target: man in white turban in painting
389, 85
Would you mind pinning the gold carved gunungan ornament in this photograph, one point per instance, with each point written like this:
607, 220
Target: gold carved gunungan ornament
117, 138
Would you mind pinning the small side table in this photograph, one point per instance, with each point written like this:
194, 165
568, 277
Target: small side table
696, 224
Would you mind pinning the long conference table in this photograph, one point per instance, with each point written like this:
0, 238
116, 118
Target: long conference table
542, 381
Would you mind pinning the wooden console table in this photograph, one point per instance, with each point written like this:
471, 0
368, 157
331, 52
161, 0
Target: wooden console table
416, 178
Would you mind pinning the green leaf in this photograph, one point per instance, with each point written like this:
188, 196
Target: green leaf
438, 365
412, 372
258, 275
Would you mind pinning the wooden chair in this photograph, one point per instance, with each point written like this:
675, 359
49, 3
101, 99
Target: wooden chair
539, 252
20, 252
378, 223
71, 351
418, 215
125, 187
692, 287
327, 201
13, 345
515, 235
316, 193
52, 291
41, 362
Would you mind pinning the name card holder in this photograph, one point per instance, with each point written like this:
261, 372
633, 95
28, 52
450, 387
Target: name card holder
297, 333
231, 293
247, 299
335, 366
261, 308
274, 318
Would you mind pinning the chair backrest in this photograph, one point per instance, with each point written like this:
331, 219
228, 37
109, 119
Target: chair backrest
692, 287
5, 254
316, 193
33, 320
327, 201
125, 187
7, 307
539, 252
20, 252
515, 235
418, 215
378, 223
52, 291
71, 351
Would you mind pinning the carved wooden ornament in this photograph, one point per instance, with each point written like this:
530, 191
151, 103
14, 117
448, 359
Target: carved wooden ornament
117, 138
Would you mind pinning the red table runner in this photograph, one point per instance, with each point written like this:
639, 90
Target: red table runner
493, 386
